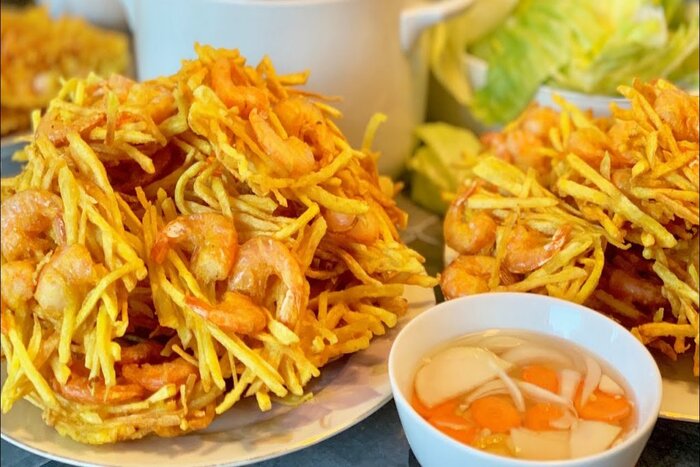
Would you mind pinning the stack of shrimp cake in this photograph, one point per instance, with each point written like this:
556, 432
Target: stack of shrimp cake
601, 211
38, 51
174, 246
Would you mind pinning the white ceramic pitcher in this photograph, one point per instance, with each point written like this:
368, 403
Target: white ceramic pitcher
367, 52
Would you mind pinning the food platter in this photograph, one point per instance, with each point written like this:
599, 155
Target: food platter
681, 391
348, 391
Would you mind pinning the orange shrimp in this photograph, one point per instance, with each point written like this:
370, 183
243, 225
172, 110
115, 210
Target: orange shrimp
146, 351
471, 234
31, 222
522, 144
210, 237
529, 250
64, 281
161, 104
362, 228
261, 259
301, 118
631, 288
538, 121
154, 376
57, 126
679, 111
17, 284
292, 155
80, 389
467, 275
244, 98
236, 314
590, 144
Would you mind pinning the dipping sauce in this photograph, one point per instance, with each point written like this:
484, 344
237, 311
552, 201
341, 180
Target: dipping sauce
523, 395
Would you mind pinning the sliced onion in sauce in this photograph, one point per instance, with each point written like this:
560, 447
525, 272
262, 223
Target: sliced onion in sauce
568, 382
543, 395
493, 387
526, 354
609, 386
499, 343
593, 375
565, 422
515, 393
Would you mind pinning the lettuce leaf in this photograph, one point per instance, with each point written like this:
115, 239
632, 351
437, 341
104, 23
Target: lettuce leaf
448, 40
438, 165
589, 46
521, 54
641, 46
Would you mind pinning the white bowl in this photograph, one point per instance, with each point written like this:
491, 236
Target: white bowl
602, 337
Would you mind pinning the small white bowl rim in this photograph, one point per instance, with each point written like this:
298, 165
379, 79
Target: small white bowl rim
644, 427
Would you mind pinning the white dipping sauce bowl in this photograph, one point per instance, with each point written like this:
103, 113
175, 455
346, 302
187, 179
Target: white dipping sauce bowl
583, 327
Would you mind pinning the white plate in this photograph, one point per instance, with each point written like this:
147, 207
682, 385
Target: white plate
681, 392
348, 391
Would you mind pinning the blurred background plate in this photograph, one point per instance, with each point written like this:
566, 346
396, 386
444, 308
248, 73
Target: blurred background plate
8, 146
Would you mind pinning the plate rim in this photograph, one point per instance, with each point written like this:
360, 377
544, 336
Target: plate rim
247, 461
420, 297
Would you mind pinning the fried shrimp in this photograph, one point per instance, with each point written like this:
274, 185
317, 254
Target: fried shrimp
468, 235
245, 98
141, 352
629, 287
674, 109
236, 314
64, 281
305, 121
528, 250
292, 155
613, 224
522, 144
147, 317
17, 283
210, 237
31, 222
261, 259
467, 275
361, 228
79, 388
56, 126
154, 376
